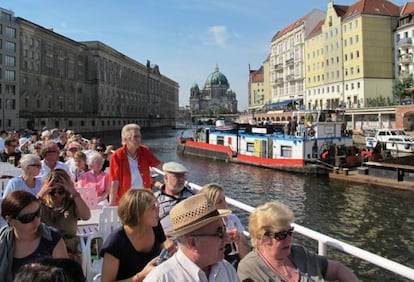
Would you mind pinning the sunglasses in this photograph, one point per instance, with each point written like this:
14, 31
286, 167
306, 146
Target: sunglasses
219, 233
279, 236
29, 217
55, 192
36, 165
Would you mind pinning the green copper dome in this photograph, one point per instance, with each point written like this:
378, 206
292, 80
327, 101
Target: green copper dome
217, 78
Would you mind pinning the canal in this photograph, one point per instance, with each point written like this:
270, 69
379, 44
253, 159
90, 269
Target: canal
378, 220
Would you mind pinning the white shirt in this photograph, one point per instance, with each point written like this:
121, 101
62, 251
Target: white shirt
136, 179
180, 268
44, 171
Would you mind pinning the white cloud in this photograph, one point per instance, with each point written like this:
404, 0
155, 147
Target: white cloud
218, 35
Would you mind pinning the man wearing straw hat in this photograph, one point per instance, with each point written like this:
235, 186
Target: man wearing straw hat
201, 236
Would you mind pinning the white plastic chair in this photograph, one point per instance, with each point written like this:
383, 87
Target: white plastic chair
90, 197
108, 222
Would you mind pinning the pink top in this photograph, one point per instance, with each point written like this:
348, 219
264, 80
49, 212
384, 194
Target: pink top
89, 180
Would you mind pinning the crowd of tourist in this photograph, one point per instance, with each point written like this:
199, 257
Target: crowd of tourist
199, 238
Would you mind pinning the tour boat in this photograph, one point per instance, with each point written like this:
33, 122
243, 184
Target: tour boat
311, 142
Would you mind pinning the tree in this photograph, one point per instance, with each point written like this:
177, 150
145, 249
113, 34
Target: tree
400, 88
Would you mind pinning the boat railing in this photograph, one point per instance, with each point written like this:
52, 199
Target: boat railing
325, 241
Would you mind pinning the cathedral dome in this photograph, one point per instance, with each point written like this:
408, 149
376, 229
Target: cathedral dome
217, 78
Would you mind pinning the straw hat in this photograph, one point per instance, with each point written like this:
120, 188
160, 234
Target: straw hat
192, 214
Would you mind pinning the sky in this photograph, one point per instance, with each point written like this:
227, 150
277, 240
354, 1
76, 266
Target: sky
185, 38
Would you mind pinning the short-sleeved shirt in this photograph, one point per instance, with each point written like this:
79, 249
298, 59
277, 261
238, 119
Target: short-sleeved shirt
44, 249
131, 261
180, 268
17, 183
312, 267
166, 202
119, 169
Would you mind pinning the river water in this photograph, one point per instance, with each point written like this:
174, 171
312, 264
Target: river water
378, 220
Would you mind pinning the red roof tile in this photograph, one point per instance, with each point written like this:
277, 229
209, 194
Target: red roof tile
372, 7
407, 9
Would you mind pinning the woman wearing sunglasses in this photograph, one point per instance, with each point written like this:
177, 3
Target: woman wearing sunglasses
25, 239
62, 206
275, 258
30, 165
238, 245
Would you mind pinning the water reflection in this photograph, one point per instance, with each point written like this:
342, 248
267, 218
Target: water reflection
376, 219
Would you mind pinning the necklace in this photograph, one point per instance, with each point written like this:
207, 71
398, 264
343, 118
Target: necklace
131, 156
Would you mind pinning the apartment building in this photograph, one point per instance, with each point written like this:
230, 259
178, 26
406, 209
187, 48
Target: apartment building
287, 61
404, 42
9, 75
350, 59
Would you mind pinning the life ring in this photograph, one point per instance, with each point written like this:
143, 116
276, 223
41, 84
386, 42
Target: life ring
311, 132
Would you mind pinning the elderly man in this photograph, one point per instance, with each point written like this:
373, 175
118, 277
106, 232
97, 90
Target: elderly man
50, 154
172, 192
201, 236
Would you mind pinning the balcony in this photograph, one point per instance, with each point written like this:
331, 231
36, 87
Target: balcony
290, 77
406, 59
289, 61
278, 67
278, 80
405, 42
404, 74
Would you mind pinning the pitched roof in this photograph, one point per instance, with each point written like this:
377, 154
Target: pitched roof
289, 28
257, 75
407, 9
372, 7
317, 29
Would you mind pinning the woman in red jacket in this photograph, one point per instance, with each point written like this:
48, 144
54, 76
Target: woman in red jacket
130, 165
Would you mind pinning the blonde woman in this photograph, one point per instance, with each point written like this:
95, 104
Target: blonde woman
215, 194
129, 253
62, 206
275, 258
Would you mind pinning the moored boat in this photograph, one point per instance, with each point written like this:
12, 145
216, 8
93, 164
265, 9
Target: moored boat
311, 142
391, 139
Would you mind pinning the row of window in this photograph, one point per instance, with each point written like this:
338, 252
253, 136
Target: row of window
331, 89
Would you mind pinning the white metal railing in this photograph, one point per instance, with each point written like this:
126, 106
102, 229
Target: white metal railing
324, 241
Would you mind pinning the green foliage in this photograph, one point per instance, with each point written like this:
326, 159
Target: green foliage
400, 88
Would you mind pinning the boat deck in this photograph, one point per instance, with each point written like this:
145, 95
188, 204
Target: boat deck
354, 176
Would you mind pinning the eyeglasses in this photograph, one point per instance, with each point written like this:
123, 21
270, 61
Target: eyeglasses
51, 151
279, 236
29, 217
36, 165
12, 145
55, 192
219, 233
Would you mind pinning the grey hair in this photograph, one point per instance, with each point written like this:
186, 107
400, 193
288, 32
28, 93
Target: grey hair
94, 157
28, 159
126, 131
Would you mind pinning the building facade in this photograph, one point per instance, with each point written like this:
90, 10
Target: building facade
350, 58
53, 81
215, 98
404, 43
9, 65
287, 61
